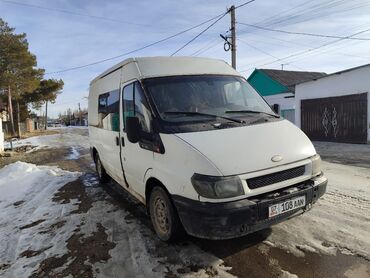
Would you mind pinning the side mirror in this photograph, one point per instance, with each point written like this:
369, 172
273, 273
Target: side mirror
276, 108
133, 129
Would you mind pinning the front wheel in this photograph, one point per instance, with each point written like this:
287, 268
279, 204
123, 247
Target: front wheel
102, 174
164, 217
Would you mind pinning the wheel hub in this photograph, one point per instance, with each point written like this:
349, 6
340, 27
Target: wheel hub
161, 215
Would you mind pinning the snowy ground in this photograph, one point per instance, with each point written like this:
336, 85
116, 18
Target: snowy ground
340, 221
67, 138
50, 225
347, 154
26, 207
45, 217
56, 222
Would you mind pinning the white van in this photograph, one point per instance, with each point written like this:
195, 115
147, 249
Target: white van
196, 144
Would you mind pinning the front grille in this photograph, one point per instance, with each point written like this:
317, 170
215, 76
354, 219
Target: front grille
265, 180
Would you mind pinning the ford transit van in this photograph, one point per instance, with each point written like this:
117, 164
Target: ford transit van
199, 147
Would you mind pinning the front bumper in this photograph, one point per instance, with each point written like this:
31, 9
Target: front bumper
238, 218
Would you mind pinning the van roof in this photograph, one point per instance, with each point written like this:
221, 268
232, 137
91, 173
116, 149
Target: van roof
169, 66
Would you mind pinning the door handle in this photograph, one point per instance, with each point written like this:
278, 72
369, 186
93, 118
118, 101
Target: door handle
123, 141
117, 141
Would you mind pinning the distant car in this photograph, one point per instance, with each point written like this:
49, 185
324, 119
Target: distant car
195, 143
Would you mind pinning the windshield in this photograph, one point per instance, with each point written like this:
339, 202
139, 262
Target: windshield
186, 98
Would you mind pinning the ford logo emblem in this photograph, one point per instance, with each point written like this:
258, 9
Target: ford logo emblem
276, 158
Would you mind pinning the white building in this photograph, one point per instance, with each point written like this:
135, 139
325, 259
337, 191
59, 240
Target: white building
335, 107
277, 87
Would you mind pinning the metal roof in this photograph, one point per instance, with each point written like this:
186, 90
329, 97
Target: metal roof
340, 72
290, 78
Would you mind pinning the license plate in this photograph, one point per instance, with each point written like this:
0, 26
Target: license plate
286, 206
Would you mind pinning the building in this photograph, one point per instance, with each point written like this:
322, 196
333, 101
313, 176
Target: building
278, 87
335, 107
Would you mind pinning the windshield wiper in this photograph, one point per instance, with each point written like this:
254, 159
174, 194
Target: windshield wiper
252, 111
188, 113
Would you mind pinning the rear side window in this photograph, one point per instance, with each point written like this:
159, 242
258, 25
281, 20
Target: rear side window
135, 104
108, 111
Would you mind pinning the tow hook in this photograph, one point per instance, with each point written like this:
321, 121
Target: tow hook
307, 207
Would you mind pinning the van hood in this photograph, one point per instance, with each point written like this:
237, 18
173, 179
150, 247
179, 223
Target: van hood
251, 148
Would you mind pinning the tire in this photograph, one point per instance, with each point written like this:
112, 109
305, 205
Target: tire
102, 174
164, 216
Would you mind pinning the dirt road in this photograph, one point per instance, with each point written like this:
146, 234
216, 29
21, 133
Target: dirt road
66, 223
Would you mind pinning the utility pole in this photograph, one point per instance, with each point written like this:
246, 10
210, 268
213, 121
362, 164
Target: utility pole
46, 115
233, 37
79, 113
19, 120
230, 41
10, 110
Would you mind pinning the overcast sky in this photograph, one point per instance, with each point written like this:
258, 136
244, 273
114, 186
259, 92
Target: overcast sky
92, 30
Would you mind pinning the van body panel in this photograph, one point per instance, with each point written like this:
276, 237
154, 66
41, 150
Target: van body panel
247, 149
165, 66
104, 142
228, 220
177, 165
159, 66
130, 72
136, 161
265, 158
109, 83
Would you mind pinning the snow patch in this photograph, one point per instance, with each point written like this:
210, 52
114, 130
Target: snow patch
286, 274
75, 154
26, 207
65, 139
138, 251
20, 178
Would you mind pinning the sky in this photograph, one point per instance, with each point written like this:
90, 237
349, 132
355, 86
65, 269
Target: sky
67, 33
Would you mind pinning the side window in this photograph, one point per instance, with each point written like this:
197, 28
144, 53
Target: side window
102, 103
128, 102
135, 104
108, 109
142, 110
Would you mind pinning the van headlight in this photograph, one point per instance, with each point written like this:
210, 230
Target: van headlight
217, 187
316, 165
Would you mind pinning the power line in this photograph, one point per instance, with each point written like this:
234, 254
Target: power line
202, 32
267, 53
73, 13
310, 50
218, 17
302, 33
258, 49
206, 46
213, 23
332, 49
323, 13
329, 49
244, 4
311, 12
135, 50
